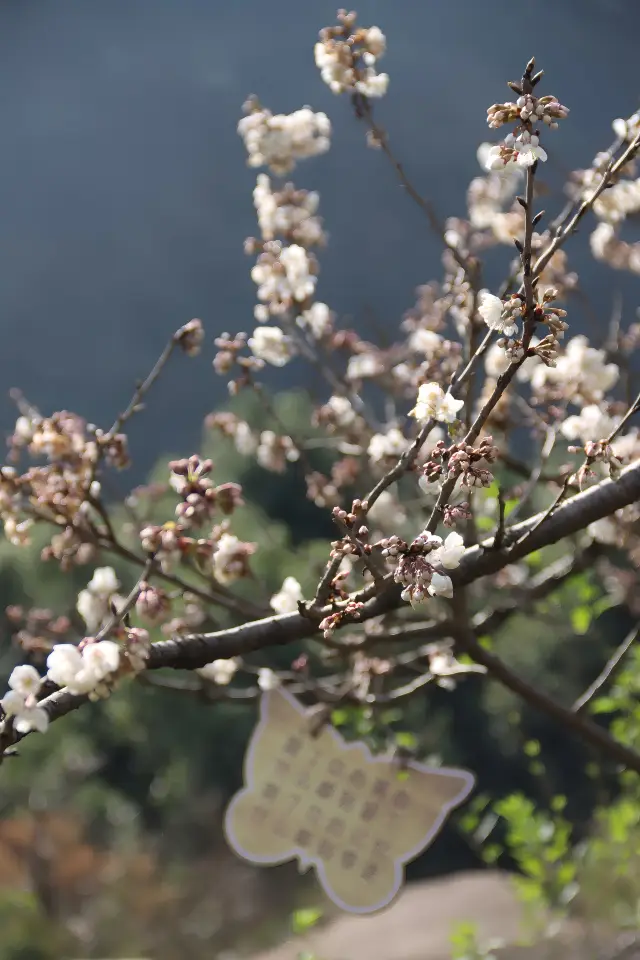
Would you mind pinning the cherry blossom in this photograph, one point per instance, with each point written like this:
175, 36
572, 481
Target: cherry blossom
288, 597
434, 403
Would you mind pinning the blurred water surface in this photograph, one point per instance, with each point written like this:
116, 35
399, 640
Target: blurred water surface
125, 199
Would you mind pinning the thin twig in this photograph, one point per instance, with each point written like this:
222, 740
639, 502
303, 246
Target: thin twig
586, 729
608, 672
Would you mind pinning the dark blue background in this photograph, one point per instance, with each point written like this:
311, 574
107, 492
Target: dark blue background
125, 199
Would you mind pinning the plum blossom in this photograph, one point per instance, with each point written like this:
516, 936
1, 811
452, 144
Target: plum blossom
94, 603
350, 64
341, 411
20, 701
604, 531
279, 141
317, 320
364, 365
434, 403
387, 511
425, 341
497, 315
450, 553
528, 149
284, 275
82, 671
25, 680
267, 679
289, 213
288, 597
230, 558
391, 444
582, 371
271, 345
417, 564
496, 361
26, 713
591, 424
219, 671
440, 586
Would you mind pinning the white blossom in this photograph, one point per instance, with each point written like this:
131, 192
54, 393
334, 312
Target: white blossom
627, 129
336, 61
17, 531
219, 671
450, 553
364, 365
496, 160
275, 452
101, 658
317, 319
496, 314
25, 680
604, 531
581, 369
95, 602
284, 277
387, 511
528, 149
267, 679
341, 411
434, 403
271, 345
289, 213
26, 713
490, 309
279, 140
245, 440
591, 424
391, 444
373, 84
287, 598
64, 663
425, 341
496, 361
375, 41
295, 261
103, 582
82, 671
440, 586
228, 564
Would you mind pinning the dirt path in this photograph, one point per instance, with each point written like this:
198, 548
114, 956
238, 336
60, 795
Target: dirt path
418, 925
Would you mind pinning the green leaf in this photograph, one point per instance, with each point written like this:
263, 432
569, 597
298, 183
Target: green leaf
406, 739
604, 705
581, 619
339, 717
304, 919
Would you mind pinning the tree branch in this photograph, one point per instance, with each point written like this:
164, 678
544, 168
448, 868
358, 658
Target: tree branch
586, 729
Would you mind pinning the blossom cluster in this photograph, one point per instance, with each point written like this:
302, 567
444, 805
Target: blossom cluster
279, 141
420, 564
522, 146
347, 57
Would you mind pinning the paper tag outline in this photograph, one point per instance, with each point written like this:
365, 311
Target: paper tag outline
297, 853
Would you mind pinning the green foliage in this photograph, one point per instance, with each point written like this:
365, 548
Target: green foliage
305, 919
465, 944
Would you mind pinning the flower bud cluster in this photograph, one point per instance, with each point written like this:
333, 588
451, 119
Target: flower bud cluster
461, 460
522, 145
347, 55
279, 141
